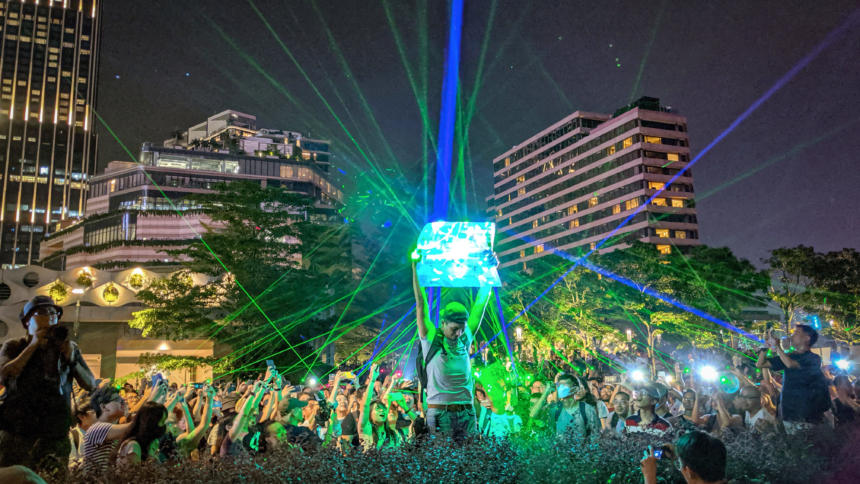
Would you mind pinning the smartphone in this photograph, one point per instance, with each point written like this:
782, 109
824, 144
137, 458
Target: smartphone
270, 364
156, 379
658, 453
216, 404
198, 386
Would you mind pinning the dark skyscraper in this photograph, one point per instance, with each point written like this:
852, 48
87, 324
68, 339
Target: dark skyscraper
49, 60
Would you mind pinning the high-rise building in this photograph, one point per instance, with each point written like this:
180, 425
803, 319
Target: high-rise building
49, 59
570, 185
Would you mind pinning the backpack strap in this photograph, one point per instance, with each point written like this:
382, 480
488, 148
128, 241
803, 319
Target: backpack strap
584, 419
435, 347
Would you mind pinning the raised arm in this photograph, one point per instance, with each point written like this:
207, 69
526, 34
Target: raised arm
426, 330
476, 315
189, 440
538, 406
364, 425
242, 419
774, 345
762, 362
12, 367
332, 397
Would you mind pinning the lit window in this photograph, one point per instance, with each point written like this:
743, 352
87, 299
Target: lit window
610, 150
662, 233
631, 204
522, 253
574, 223
507, 162
538, 249
678, 202
592, 201
656, 185
616, 209
572, 209
664, 249
672, 157
660, 202
628, 142
656, 140
521, 191
534, 224
593, 245
499, 212
113, 185
680, 234
521, 178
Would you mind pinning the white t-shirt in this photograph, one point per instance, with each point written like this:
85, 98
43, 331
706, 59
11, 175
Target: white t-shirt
762, 414
602, 410
619, 426
449, 372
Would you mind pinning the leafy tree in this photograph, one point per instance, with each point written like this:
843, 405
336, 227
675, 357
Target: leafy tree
837, 279
270, 246
791, 271
711, 280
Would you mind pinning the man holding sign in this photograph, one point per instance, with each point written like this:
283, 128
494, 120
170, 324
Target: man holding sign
449, 381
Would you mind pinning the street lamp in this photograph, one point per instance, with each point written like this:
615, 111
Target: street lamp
629, 335
79, 291
519, 332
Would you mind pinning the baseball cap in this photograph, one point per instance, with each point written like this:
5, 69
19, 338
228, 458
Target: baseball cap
229, 402
455, 312
38, 302
651, 390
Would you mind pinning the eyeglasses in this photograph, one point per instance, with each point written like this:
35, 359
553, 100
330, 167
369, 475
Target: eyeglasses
45, 312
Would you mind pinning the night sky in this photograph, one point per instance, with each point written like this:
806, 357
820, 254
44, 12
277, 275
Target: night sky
166, 65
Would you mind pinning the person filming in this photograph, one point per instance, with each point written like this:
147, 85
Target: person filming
37, 371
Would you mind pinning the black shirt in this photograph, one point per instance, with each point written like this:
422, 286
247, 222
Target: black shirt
844, 413
349, 426
38, 401
801, 399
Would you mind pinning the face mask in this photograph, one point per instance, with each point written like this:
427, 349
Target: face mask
563, 391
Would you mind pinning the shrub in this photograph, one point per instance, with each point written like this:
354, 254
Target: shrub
805, 458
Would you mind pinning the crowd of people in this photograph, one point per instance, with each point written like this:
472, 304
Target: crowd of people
55, 417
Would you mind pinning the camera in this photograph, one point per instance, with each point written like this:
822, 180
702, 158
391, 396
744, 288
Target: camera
57, 335
324, 411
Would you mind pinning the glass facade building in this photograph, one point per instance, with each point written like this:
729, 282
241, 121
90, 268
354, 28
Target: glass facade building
49, 61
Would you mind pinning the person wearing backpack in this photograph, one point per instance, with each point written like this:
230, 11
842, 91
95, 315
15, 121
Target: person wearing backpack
804, 398
444, 366
575, 411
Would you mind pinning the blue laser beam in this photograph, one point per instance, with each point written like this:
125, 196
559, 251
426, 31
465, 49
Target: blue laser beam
802, 63
448, 113
382, 345
782, 81
670, 300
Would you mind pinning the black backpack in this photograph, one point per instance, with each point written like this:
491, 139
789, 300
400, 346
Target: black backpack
421, 360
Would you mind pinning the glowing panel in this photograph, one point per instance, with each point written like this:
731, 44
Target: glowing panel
457, 254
